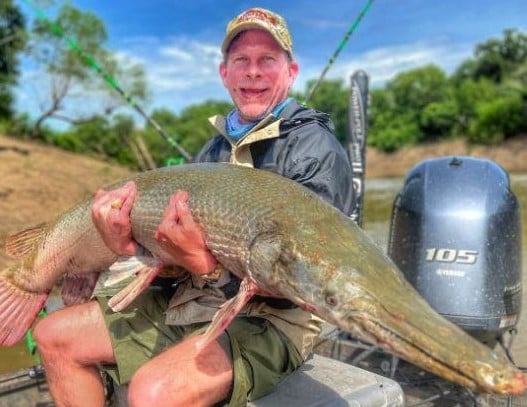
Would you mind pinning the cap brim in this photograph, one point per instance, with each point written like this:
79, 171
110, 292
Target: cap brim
247, 26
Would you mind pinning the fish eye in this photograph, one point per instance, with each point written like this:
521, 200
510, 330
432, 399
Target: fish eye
331, 299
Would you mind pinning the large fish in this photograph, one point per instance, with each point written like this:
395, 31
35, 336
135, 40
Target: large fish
278, 237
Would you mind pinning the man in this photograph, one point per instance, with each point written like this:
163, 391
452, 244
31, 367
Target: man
151, 344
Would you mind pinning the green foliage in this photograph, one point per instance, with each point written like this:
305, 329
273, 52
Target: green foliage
70, 50
439, 118
498, 119
391, 131
331, 97
12, 42
484, 100
18, 125
190, 129
495, 59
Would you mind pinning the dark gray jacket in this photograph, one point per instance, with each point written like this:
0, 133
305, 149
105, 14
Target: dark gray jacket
302, 148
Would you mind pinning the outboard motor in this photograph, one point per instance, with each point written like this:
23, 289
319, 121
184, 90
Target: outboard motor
456, 236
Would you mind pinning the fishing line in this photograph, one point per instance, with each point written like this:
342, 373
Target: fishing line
339, 48
74, 46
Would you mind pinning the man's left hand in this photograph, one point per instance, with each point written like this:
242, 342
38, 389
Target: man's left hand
181, 237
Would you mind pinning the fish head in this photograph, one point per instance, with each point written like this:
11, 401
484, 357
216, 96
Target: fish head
360, 290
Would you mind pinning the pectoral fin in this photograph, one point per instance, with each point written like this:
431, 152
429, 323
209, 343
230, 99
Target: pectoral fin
264, 253
145, 270
78, 288
228, 311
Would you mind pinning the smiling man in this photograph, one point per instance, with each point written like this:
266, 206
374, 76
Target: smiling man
151, 344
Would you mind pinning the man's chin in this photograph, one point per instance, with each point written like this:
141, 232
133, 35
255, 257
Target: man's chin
253, 112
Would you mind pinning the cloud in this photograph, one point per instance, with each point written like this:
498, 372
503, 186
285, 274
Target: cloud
383, 64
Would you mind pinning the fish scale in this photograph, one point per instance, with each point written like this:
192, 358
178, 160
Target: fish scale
275, 235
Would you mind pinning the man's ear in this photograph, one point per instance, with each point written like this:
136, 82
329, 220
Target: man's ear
293, 72
223, 72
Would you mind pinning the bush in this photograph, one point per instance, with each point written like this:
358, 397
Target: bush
390, 132
497, 119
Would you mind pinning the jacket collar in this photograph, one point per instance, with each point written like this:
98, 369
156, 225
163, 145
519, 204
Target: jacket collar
267, 128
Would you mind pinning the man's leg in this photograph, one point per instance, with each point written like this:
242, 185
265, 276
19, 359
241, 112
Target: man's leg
184, 376
71, 342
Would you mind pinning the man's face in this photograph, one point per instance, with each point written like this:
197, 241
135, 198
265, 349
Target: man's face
257, 73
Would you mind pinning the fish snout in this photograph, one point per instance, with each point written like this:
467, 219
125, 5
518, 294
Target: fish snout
508, 381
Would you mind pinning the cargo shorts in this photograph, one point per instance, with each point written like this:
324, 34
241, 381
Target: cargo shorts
261, 354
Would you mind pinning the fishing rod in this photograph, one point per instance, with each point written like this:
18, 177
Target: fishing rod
340, 47
90, 61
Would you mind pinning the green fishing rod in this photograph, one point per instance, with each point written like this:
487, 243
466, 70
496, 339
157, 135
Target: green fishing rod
340, 47
74, 46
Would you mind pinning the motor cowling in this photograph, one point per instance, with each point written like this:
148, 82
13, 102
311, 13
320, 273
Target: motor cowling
456, 235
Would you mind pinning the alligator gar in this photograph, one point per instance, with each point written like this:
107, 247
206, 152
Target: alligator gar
275, 235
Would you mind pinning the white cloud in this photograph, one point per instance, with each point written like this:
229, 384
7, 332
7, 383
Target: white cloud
383, 64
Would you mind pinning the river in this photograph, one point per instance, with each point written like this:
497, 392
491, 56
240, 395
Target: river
380, 194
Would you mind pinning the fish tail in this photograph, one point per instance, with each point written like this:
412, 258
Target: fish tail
18, 311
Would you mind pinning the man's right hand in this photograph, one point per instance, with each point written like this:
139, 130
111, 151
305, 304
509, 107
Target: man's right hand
111, 216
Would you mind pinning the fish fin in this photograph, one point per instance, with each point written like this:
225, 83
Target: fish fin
144, 274
228, 312
22, 243
122, 269
78, 288
18, 311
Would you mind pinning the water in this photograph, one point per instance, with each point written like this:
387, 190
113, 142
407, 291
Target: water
380, 194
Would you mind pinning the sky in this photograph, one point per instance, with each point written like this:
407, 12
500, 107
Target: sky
177, 41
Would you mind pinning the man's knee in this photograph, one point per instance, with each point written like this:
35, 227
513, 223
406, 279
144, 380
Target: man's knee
150, 389
50, 335
62, 331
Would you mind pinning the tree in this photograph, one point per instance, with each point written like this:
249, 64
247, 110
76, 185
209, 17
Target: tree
332, 97
190, 129
495, 59
12, 42
416, 88
70, 64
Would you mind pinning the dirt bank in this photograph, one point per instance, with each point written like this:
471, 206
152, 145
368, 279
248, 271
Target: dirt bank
511, 155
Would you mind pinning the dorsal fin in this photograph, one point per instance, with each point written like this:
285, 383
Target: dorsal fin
22, 243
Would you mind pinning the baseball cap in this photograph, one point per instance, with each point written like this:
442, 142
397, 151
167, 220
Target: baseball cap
262, 19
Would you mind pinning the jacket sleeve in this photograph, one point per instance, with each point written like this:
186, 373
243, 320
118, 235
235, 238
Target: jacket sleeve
318, 161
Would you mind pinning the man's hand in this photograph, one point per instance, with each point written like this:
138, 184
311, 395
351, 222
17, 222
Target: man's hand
111, 216
181, 237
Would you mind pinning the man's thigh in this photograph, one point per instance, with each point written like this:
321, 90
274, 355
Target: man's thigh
138, 333
259, 354
262, 356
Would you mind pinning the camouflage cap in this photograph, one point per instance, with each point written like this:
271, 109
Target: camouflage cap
262, 19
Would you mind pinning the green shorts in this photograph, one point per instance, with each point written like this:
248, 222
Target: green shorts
261, 354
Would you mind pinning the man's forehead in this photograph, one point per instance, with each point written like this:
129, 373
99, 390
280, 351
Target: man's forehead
255, 37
